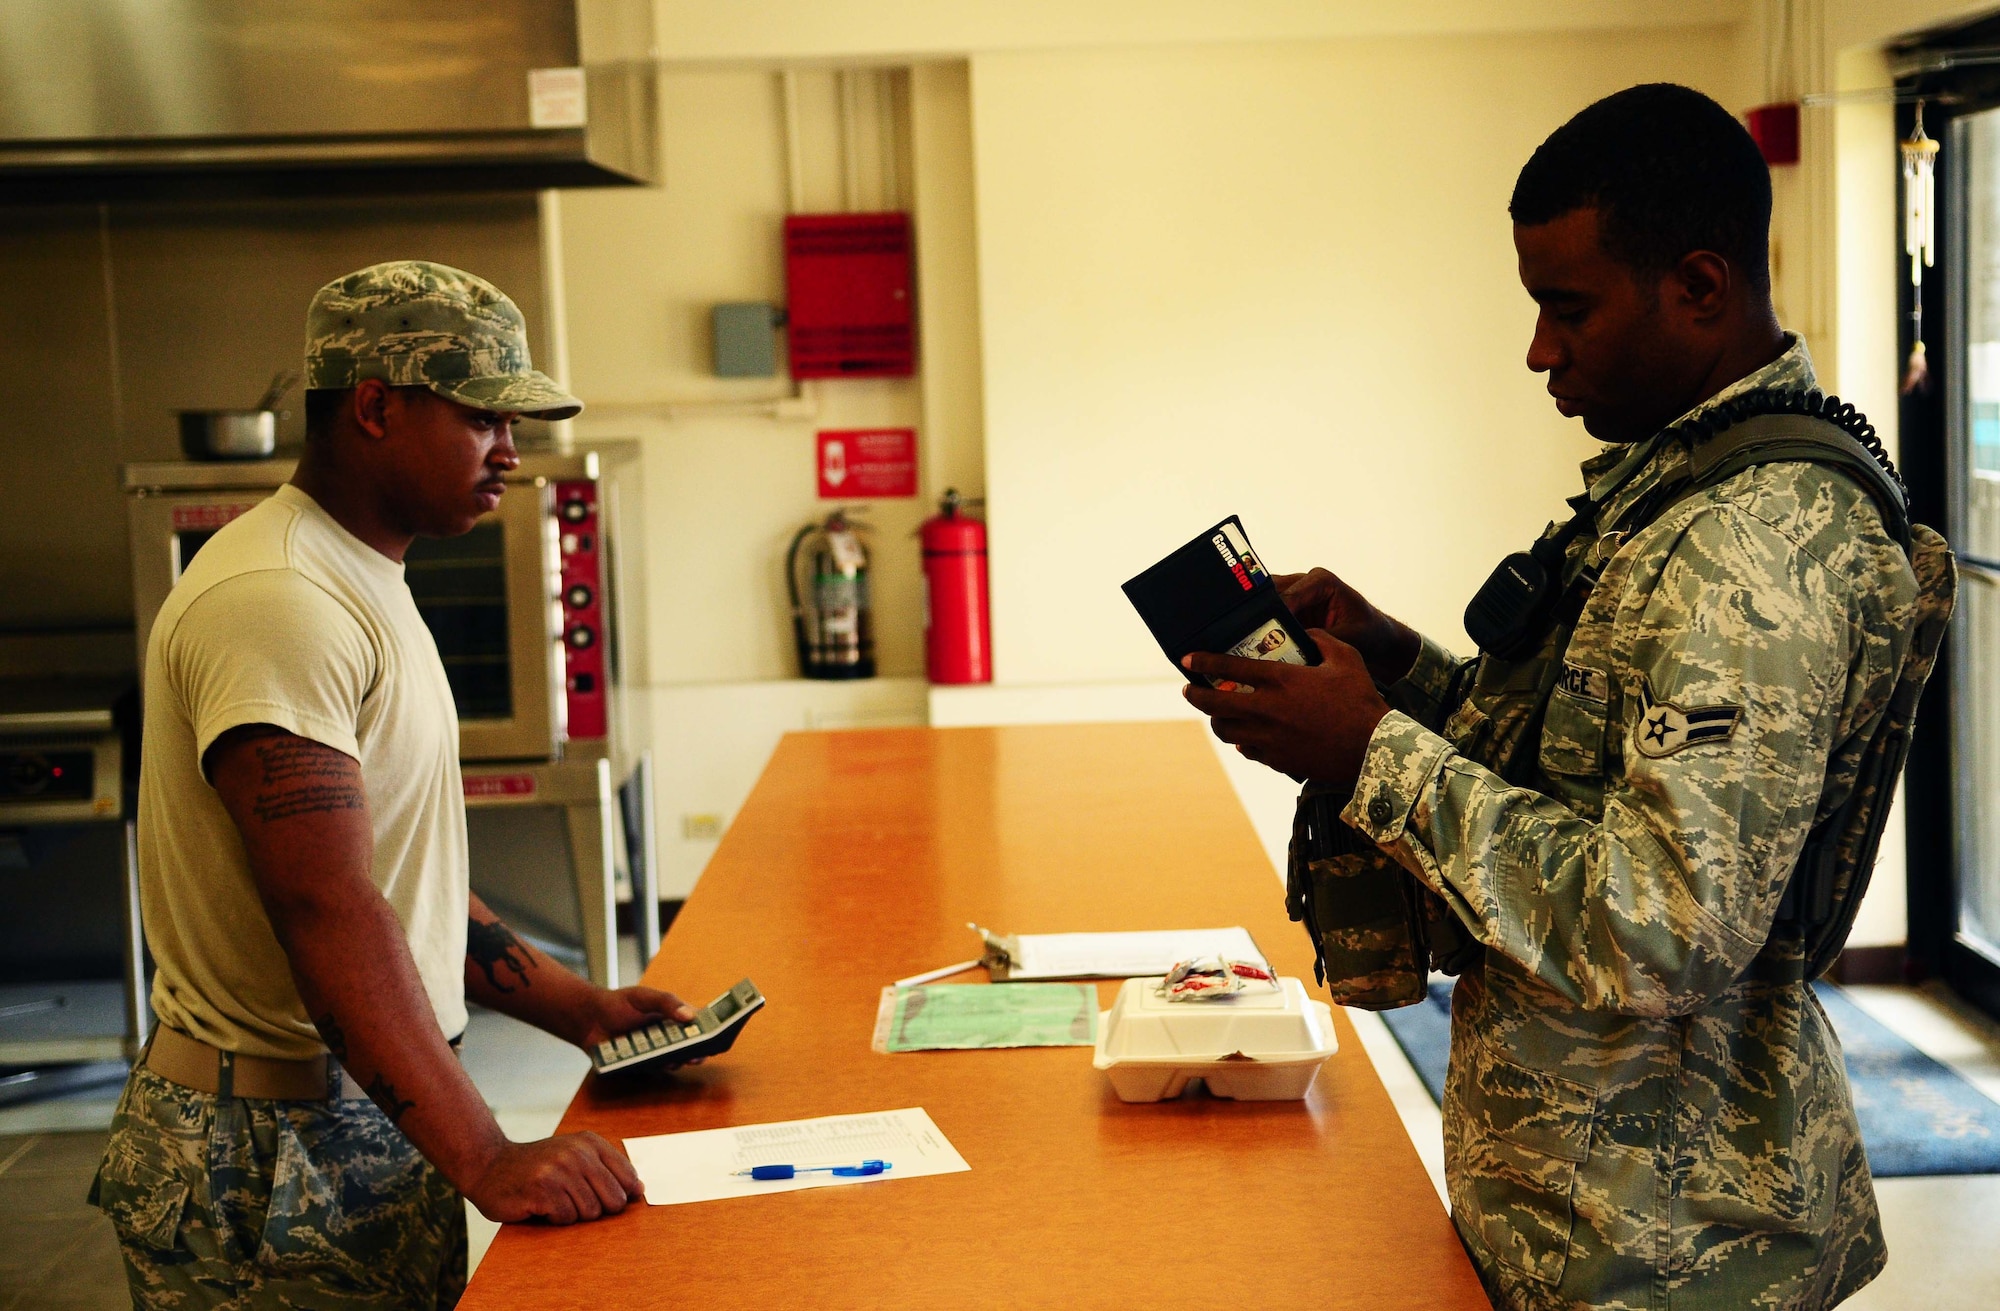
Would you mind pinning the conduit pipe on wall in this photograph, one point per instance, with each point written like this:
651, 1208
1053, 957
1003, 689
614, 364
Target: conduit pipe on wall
802, 403
795, 164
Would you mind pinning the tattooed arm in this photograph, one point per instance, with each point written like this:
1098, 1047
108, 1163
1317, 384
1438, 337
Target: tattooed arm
303, 815
506, 973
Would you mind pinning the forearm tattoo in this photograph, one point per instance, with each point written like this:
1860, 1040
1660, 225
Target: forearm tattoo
492, 946
333, 1036
383, 1094
301, 777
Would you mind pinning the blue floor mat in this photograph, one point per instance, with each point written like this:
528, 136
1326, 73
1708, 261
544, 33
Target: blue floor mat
1917, 1115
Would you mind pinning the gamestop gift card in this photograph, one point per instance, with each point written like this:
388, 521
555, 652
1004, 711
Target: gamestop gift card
1215, 595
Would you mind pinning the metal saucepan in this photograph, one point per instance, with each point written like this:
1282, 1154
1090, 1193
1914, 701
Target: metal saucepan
228, 434
250, 434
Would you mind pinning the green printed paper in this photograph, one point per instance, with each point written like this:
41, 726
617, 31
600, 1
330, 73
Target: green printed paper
958, 1016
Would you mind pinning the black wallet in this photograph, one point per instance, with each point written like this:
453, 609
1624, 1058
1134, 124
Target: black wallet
1215, 595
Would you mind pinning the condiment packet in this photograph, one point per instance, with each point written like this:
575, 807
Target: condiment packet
1206, 977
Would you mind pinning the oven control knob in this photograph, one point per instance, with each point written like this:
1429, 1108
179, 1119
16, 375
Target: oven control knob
581, 637
28, 774
575, 511
579, 596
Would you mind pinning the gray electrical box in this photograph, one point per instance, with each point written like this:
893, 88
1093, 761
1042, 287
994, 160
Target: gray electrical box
746, 340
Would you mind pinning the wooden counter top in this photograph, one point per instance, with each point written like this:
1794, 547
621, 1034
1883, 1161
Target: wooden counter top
857, 860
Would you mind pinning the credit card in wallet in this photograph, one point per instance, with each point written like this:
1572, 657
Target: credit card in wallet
1215, 595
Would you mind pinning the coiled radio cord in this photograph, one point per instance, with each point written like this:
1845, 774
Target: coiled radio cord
1813, 404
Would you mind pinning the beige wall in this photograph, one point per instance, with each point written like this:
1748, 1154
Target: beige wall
1275, 281
875, 29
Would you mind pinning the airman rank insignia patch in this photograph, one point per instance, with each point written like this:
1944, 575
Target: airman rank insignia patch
1665, 728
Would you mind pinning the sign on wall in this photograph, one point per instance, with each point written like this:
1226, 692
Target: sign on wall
865, 463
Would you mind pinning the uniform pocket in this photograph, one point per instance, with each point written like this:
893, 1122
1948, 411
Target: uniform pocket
144, 1203
1525, 1133
303, 1200
353, 1207
1573, 735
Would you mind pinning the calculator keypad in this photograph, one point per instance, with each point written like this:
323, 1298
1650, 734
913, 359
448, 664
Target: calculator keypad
664, 1035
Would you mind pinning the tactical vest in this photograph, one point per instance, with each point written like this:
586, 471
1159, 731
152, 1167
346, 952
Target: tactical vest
1377, 930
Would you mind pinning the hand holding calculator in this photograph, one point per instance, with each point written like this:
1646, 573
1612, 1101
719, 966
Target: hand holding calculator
711, 1032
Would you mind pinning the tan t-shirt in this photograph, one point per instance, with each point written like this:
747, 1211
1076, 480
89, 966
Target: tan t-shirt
285, 618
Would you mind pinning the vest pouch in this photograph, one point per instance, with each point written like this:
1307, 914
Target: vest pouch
1362, 910
1369, 935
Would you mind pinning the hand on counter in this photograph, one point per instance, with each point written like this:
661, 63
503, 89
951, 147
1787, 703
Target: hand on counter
1307, 721
577, 1176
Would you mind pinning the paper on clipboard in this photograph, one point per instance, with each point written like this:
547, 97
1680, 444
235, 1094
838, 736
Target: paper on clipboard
1115, 955
700, 1166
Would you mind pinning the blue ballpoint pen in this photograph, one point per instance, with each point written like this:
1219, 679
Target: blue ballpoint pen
788, 1171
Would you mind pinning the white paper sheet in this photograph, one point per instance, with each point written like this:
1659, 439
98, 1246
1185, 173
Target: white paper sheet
700, 1166
1125, 955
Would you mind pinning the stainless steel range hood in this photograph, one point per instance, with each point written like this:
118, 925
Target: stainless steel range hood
125, 99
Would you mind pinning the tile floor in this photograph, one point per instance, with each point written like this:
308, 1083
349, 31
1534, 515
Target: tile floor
1944, 1233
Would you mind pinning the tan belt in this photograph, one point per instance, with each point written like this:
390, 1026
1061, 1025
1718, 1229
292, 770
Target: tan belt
195, 1064
192, 1063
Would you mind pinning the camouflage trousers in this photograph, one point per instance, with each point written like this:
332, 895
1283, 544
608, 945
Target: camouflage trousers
239, 1203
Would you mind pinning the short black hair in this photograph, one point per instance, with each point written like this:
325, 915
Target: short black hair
324, 406
1669, 172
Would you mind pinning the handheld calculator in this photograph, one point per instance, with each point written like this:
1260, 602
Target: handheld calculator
711, 1032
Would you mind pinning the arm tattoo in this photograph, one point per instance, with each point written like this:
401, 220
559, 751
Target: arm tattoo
383, 1094
333, 1035
489, 944
302, 777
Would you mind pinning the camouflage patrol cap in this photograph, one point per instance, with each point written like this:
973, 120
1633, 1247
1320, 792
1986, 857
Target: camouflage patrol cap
412, 323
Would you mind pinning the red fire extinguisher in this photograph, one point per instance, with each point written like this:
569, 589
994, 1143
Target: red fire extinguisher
958, 635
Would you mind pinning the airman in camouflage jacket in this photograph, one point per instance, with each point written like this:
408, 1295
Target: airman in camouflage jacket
1646, 1106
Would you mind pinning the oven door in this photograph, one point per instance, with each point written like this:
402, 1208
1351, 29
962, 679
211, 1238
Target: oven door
489, 599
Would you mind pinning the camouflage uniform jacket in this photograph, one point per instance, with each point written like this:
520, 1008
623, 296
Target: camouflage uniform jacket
1646, 1106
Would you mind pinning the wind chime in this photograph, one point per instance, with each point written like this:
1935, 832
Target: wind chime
1919, 239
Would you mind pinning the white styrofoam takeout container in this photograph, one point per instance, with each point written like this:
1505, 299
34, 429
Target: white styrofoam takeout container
1257, 1046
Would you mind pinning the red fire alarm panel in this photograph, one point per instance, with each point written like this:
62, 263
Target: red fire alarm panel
1775, 129
847, 279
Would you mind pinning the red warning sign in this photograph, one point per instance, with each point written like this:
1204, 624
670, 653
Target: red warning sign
194, 518
498, 785
865, 463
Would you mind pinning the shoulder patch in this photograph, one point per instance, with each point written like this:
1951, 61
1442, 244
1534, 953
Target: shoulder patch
1585, 683
1665, 728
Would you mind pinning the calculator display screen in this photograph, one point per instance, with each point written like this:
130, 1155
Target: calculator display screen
725, 1006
